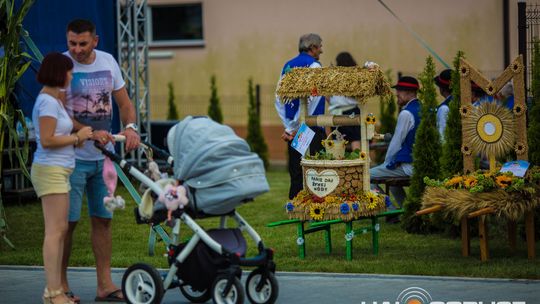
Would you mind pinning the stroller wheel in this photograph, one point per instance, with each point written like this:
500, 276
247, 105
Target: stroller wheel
142, 284
268, 290
235, 295
195, 296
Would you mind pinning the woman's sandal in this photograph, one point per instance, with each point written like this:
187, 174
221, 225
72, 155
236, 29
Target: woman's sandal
49, 295
71, 296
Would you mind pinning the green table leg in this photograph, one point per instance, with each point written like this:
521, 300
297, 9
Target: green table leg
349, 234
151, 242
375, 227
301, 241
328, 239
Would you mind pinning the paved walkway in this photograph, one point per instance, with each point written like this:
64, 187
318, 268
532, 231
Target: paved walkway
20, 284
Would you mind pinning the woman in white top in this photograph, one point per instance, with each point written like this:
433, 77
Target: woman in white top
53, 162
343, 105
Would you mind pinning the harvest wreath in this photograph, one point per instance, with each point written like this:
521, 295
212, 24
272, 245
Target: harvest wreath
344, 206
510, 196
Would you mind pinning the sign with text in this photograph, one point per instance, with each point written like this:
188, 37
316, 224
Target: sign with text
322, 183
518, 167
303, 138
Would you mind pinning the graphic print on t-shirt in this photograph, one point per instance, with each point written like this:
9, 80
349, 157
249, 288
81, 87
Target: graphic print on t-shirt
91, 100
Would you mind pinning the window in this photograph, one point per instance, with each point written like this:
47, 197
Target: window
176, 25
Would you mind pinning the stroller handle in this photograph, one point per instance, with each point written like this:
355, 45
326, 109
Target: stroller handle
119, 138
159, 153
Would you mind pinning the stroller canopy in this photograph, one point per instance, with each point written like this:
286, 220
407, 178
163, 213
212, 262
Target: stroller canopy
215, 164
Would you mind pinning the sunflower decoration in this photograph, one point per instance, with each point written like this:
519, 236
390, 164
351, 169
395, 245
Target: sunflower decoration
489, 130
465, 110
363, 155
372, 200
302, 197
503, 181
370, 119
520, 148
454, 182
316, 211
465, 150
330, 199
328, 143
470, 181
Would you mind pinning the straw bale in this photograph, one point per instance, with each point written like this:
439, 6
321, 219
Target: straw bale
357, 82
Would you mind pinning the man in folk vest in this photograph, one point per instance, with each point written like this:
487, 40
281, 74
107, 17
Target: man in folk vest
443, 82
309, 48
398, 160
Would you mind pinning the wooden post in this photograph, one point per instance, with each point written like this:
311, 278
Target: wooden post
492, 164
465, 86
512, 232
364, 147
465, 237
529, 230
483, 235
303, 110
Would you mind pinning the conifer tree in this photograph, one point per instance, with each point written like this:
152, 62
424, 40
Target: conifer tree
452, 159
387, 107
426, 152
214, 109
534, 114
533, 132
172, 113
255, 136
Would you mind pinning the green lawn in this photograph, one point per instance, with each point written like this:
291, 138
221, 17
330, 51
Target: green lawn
400, 253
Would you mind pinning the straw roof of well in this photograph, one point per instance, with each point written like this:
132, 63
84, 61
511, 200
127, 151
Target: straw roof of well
357, 82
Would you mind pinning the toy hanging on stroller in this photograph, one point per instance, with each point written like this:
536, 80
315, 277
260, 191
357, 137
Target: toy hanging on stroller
218, 172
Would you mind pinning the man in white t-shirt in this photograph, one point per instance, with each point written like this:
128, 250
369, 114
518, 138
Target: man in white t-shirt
96, 79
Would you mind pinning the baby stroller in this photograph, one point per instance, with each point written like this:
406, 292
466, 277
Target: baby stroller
218, 172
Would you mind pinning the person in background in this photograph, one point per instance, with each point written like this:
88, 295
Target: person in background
443, 82
399, 156
310, 49
479, 96
343, 105
53, 163
506, 95
96, 79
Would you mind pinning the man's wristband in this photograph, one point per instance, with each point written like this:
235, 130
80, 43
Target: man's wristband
132, 126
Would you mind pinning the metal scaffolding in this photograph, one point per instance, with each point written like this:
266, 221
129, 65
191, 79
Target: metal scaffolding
133, 59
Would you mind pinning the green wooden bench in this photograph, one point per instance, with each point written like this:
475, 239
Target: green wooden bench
325, 226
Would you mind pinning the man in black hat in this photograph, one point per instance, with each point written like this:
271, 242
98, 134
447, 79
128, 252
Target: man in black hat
398, 160
443, 82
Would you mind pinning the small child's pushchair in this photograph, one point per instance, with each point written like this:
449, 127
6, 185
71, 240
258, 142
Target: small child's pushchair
219, 172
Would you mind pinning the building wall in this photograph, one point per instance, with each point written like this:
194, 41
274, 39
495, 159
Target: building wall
254, 38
